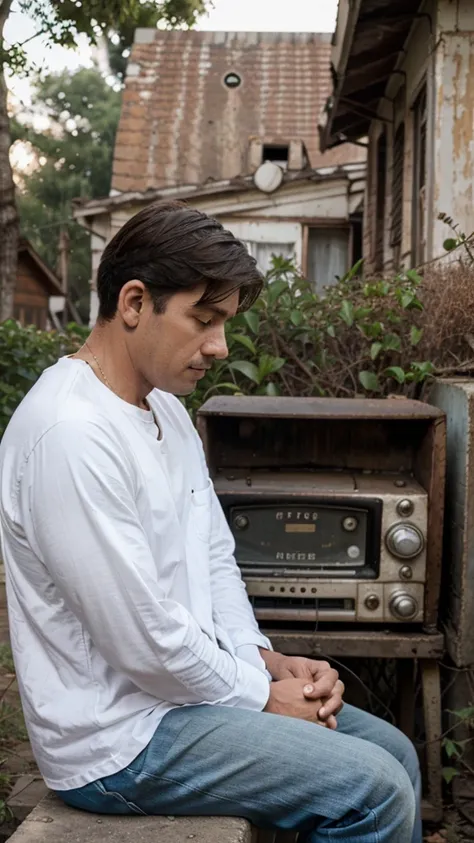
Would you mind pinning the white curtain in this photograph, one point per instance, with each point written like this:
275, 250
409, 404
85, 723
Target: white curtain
263, 252
328, 256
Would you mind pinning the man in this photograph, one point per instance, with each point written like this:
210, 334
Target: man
146, 685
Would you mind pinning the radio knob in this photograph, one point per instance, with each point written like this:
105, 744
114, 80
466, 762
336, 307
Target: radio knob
405, 541
241, 522
403, 606
350, 524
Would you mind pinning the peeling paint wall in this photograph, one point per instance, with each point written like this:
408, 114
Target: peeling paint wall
454, 120
396, 108
440, 51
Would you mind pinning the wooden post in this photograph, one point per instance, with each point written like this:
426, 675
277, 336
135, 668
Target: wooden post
63, 262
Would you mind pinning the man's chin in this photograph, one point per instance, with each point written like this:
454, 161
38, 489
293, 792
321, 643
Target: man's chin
183, 389
181, 386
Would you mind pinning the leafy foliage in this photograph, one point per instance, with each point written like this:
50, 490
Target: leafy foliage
24, 354
61, 20
455, 749
370, 337
360, 337
75, 159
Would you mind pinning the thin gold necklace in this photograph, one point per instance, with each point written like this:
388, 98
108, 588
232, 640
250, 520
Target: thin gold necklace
109, 385
102, 373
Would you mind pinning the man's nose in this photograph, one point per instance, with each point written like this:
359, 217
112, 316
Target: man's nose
216, 346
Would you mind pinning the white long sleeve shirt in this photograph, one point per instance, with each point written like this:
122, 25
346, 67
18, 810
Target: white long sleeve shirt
124, 597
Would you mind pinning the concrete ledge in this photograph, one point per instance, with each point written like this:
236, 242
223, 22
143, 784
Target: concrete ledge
53, 822
29, 790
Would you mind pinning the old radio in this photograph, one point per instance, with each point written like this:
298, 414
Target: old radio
336, 506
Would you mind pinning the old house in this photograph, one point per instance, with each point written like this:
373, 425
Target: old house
228, 123
38, 292
402, 72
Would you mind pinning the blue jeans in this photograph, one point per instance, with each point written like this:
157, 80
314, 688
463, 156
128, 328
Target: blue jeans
359, 784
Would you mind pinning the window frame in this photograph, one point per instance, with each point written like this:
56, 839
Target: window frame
418, 199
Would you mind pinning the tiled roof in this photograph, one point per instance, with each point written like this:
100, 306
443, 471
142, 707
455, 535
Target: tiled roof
180, 124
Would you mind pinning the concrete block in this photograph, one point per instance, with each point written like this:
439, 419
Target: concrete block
28, 791
53, 822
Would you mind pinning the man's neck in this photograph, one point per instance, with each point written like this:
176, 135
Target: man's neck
109, 358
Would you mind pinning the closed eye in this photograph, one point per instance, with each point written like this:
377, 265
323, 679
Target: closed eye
203, 322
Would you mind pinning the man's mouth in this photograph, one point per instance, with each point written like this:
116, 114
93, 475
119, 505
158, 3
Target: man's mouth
200, 370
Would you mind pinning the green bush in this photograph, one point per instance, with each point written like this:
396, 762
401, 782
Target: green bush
360, 337
24, 354
371, 337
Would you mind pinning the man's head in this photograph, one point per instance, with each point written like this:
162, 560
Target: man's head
167, 282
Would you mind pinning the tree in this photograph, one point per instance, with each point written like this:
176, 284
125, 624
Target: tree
60, 21
75, 159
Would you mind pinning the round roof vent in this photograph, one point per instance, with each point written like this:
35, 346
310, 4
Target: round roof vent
232, 80
268, 177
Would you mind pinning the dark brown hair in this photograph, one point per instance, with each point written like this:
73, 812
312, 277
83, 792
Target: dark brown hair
170, 247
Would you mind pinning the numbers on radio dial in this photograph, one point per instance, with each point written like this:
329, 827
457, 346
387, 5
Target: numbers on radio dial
299, 515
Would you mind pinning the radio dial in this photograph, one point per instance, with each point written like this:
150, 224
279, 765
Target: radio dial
241, 522
403, 606
404, 541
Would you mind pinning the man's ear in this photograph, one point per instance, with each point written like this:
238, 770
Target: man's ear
131, 302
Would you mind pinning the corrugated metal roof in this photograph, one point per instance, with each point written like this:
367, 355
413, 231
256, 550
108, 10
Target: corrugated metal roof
374, 38
180, 124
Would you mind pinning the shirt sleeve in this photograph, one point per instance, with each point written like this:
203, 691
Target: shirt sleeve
83, 524
229, 594
250, 653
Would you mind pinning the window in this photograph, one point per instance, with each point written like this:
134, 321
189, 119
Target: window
327, 256
30, 315
263, 252
419, 178
279, 154
397, 193
381, 170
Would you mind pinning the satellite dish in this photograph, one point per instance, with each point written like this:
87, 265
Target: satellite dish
268, 177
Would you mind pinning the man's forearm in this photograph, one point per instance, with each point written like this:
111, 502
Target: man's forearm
272, 660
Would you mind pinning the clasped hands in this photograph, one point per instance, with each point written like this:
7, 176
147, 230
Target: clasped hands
303, 688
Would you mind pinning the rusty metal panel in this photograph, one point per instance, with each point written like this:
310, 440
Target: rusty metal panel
319, 408
430, 469
181, 124
431, 688
456, 398
352, 643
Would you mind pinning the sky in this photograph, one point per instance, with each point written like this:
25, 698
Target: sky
227, 15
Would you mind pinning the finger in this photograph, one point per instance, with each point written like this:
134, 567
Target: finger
323, 687
301, 671
331, 706
319, 668
331, 722
339, 689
